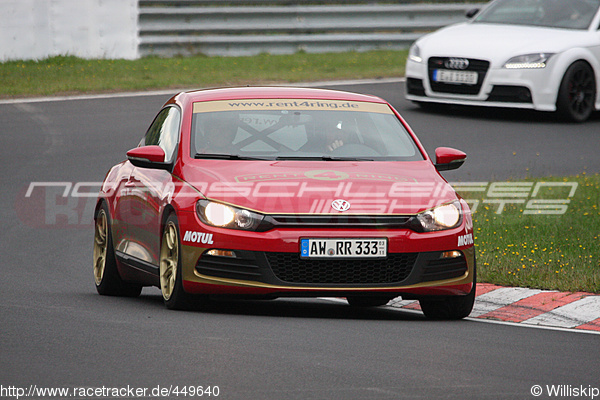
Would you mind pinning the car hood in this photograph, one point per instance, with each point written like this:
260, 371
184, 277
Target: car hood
283, 187
498, 43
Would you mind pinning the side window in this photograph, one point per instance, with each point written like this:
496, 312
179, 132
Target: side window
164, 132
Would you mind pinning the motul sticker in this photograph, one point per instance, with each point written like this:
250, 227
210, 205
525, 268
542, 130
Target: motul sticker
198, 237
465, 240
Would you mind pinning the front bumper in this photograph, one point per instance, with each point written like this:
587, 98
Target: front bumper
500, 87
268, 264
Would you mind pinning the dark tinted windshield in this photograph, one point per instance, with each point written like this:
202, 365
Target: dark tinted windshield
569, 14
300, 129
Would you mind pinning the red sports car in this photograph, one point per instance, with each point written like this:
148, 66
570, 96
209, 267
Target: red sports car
269, 192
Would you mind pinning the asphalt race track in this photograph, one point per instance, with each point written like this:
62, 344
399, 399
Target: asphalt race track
56, 332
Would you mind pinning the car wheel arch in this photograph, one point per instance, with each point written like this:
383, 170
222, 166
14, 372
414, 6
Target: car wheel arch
109, 211
99, 204
566, 59
167, 211
595, 67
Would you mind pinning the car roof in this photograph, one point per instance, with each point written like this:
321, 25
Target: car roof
268, 92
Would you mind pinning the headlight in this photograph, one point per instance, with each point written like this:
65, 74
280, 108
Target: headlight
414, 53
446, 216
528, 61
225, 216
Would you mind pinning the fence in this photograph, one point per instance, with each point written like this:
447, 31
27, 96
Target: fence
36, 29
185, 27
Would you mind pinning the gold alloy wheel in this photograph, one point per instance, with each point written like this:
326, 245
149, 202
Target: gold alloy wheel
169, 258
100, 246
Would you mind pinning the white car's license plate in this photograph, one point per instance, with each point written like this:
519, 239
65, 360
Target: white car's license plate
448, 76
338, 247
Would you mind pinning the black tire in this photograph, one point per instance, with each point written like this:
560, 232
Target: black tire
106, 276
451, 307
368, 301
577, 93
171, 283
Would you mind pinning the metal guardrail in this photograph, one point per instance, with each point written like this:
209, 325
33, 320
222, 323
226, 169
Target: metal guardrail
186, 27
222, 3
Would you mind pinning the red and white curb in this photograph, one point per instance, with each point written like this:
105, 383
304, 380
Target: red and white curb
530, 306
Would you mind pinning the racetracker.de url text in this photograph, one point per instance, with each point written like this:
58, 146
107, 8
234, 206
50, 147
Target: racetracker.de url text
112, 392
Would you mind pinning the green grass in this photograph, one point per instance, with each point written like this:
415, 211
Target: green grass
560, 252
71, 75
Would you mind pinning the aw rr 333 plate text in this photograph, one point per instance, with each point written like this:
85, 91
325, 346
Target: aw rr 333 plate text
370, 247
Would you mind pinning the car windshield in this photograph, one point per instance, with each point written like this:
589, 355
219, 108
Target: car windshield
297, 129
568, 14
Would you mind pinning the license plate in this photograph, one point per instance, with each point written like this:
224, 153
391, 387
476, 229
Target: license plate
448, 76
348, 248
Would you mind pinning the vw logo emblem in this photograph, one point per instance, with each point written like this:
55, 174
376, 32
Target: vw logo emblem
340, 205
456, 63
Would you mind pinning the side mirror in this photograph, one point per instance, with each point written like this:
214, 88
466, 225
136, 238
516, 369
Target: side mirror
447, 158
472, 12
148, 157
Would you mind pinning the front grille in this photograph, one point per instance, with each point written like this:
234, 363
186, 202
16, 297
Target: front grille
341, 221
289, 267
479, 66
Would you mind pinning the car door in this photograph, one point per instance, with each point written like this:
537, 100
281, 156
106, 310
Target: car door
148, 191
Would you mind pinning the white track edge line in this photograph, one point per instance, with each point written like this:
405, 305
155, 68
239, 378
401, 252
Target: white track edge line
170, 92
489, 321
